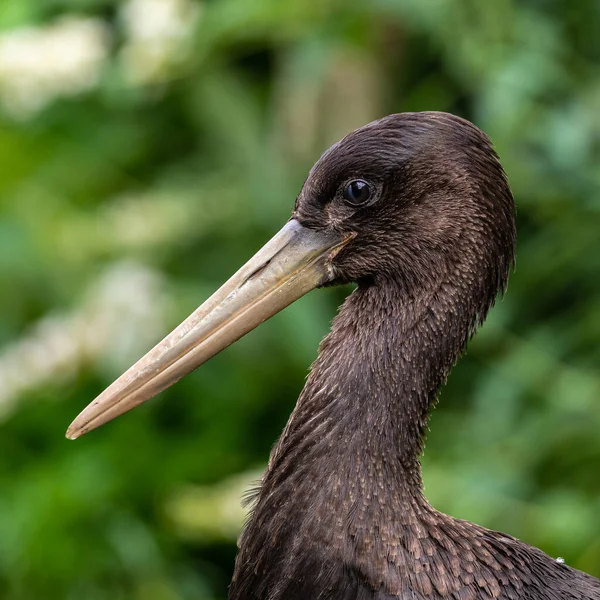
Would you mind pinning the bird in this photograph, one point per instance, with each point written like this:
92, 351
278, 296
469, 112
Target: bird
415, 209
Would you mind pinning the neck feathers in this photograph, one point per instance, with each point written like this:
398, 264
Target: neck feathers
344, 481
379, 371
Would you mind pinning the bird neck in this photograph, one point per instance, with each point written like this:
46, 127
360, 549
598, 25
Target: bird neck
343, 485
378, 374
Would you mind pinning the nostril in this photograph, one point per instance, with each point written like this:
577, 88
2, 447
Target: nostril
260, 269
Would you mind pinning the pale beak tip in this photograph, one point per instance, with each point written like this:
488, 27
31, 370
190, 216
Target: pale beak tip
74, 432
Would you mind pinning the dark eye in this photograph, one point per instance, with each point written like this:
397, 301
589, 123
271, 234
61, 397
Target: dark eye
357, 192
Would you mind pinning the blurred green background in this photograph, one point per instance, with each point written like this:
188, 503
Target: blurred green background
149, 147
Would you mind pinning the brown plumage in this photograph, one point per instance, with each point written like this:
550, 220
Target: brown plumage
341, 514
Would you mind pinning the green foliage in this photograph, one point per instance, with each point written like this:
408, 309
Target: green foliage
135, 181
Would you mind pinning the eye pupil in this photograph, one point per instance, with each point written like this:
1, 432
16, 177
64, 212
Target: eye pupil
357, 192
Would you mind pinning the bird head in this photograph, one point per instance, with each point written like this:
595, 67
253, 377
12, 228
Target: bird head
419, 193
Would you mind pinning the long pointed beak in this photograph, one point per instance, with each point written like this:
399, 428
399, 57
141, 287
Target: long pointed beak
291, 264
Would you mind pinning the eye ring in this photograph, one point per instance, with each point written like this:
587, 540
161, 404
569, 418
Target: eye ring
357, 192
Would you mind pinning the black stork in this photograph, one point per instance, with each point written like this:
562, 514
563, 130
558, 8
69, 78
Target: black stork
416, 209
